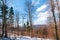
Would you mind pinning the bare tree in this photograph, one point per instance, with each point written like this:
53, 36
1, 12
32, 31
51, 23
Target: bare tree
17, 21
30, 10
52, 9
17, 18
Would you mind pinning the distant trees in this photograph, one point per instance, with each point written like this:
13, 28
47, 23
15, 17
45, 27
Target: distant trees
53, 12
27, 27
45, 32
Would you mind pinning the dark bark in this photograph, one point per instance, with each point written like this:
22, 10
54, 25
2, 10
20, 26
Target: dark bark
4, 12
53, 7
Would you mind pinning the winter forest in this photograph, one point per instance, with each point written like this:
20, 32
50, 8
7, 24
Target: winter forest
29, 19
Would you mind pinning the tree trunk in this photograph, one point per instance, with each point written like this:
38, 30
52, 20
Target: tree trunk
4, 30
53, 7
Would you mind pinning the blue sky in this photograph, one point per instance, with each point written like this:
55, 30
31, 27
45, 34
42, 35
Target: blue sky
41, 9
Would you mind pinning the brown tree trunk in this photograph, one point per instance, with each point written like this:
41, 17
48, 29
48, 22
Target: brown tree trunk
53, 7
4, 30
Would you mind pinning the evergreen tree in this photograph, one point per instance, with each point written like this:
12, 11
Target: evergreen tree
25, 27
11, 17
28, 27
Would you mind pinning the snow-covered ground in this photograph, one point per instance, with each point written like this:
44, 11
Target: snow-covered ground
12, 37
28, 38
23, 38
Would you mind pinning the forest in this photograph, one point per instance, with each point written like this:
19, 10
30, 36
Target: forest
31, 18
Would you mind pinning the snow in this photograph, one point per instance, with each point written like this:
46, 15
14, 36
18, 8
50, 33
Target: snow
29, 38
24, 38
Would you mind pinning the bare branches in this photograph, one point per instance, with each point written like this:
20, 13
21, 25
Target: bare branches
52, 9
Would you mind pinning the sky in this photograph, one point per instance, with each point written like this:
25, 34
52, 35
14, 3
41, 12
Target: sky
41, 10
41, 13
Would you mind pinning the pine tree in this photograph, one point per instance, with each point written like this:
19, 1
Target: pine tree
11, 17
28, 27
